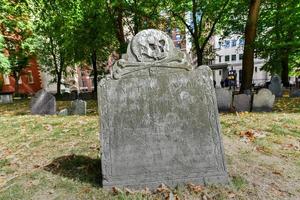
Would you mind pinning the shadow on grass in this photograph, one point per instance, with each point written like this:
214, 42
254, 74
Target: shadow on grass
77, 167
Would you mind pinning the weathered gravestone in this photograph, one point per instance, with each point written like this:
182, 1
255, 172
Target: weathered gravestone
43, 103
6, 98
295, 93
224, 99
78, 107
263, 101
276, 86
159, 119
242, 102
63, 112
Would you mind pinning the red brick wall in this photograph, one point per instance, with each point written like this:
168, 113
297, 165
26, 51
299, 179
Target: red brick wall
26, 87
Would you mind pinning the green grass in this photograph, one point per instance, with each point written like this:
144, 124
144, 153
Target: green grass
57, 157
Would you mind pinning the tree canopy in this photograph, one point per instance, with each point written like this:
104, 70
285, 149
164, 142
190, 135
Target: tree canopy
65, 33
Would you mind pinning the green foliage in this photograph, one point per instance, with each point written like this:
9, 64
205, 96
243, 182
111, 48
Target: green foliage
279, 34
201, 19
93, 32
4, 63
16, 38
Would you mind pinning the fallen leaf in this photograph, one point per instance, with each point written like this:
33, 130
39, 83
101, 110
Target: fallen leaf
195, 188
116, 190
277, 173
251, 135
162, 188
146, 191
231, 195
128, 191
48, 127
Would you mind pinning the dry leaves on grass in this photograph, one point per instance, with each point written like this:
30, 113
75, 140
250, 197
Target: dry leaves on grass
251, 135
195, 188
166, 193
295, 147
48, 127
116, 191
163, 190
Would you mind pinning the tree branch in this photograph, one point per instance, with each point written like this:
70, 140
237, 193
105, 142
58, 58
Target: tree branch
214, 25
184, 22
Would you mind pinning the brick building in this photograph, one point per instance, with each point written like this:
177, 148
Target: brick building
29, 83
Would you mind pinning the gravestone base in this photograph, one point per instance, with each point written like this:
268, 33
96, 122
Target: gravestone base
152, 184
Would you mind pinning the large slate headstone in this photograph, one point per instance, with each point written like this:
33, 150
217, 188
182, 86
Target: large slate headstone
224, 99
263, 101
78, 107
43, 103
159, 119
242, 102
276, 86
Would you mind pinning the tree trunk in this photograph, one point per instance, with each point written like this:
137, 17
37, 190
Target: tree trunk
16, 77
59, 75
58, 84
199, 52
94, 63
285, 68
248, 56
120, 31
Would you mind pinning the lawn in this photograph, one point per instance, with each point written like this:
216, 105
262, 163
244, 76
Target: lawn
57, 157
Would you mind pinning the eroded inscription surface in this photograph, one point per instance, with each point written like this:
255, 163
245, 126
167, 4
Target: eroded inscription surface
161, 128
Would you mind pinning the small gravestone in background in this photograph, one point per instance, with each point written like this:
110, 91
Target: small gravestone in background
159, 119
63, 112
295, 93
43, 103
78, 107
276, 86
6, 98
263, 101
242, 102
224, 99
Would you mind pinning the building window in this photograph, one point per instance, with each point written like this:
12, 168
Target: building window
255, 69
233, 57
241, 56
30, 77
226, 58
220, 72
6, 79
220, 59
241, 42
227, 44
233, 43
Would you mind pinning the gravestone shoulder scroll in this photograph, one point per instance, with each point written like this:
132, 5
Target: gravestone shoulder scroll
159, 119
43, 103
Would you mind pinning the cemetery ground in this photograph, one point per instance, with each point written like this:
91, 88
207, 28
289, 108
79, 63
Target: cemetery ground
57, 157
